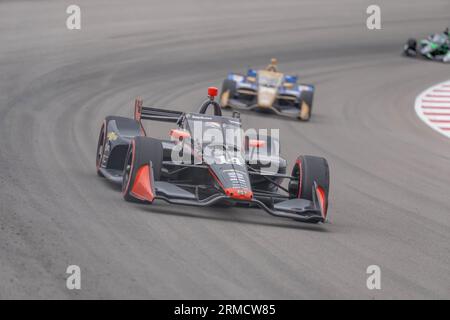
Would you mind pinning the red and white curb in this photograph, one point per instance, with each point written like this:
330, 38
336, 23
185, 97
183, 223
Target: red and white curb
433, 107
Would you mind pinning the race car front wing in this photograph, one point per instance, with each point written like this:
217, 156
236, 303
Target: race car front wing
298, 209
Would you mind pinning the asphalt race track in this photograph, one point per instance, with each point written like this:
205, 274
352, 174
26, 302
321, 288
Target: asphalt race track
390, 195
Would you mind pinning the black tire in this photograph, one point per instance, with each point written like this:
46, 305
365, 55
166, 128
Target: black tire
306, 102
228, 86
100, 147
411, 45
306, 171
142, 150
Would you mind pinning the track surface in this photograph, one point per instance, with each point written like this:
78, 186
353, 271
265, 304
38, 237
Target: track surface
390, 198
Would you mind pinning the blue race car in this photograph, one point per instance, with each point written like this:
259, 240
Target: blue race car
268, 90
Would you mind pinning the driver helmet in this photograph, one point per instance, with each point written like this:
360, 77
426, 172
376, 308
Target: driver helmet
273, 65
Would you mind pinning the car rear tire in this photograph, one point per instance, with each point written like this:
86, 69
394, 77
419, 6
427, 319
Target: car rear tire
142, 151
306, 171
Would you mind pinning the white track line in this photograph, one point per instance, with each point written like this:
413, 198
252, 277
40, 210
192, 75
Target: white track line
433, 107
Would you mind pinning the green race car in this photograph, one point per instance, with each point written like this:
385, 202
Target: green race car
435, 47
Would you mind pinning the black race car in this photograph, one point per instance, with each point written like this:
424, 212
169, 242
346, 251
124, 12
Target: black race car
200, 165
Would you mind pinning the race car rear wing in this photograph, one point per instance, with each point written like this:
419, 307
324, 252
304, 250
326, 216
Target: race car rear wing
147, 113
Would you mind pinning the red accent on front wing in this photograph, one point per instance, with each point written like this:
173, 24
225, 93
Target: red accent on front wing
239, 194
322, 201
142, 188
234, 193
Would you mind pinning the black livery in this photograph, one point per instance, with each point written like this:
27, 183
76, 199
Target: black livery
187, 171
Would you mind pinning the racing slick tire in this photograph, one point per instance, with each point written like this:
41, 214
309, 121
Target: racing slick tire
410, 46
228, 91
306, 106
142, 151
101, 147
306, 171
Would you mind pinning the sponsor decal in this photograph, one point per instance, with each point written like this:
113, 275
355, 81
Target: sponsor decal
112, 136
